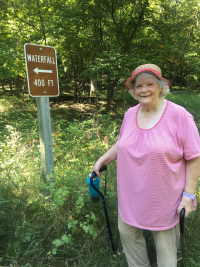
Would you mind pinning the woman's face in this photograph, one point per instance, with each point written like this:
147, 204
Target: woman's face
147, 89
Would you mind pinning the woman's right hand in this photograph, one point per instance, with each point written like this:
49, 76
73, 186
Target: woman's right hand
108, 157
96, 168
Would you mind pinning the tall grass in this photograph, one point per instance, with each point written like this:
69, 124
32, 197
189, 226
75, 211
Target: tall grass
65, 228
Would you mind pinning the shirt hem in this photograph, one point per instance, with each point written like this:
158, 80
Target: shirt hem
151, 228
193, 157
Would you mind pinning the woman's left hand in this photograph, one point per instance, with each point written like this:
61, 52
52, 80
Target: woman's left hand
186, 203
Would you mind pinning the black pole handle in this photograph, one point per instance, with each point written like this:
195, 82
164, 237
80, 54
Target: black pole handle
103, 168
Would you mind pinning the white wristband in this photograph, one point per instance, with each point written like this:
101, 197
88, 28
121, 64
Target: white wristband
189, 195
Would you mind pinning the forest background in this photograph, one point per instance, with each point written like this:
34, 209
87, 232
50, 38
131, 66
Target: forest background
98, 44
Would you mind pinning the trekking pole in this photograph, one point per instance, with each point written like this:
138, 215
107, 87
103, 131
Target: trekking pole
182, 216
104, 204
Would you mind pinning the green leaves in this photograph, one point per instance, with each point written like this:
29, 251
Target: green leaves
90, 225
103, 41
58, 242
65, 240
72, 225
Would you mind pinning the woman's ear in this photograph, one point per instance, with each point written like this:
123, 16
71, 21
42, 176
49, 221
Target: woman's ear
161, 90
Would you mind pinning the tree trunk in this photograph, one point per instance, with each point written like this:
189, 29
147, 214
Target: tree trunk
42, 24
93, 87
110, 92
17, 86
181, 81
11, 85
2, 82
75, 93
173, 81
23, 89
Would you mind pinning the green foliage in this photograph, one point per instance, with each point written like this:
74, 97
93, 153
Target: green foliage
44, 226
57, 224
189, 101
102, 41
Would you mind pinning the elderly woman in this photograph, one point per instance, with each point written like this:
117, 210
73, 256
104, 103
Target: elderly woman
158, 167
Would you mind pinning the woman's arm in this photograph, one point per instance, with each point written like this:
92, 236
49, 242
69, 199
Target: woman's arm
192, 178
108, 157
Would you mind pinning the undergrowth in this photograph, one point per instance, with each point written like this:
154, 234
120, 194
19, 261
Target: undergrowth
58, 225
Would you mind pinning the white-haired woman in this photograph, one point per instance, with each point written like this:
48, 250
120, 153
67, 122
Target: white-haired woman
158, 167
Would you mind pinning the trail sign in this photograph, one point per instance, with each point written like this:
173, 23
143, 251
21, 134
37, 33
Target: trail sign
42, 78
41, 69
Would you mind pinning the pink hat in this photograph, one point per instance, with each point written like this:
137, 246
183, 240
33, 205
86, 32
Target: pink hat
150, 68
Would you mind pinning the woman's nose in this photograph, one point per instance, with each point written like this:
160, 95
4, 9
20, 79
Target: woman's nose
144, 89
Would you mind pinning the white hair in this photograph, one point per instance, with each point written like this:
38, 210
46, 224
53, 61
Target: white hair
161, 83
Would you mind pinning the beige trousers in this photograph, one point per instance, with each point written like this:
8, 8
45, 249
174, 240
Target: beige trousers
134, 245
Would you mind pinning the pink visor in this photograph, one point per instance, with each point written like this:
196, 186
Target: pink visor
130, 80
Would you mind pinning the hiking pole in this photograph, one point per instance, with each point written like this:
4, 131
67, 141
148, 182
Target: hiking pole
104, 204
182, 216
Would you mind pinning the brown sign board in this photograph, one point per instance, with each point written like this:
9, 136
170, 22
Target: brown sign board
41, 69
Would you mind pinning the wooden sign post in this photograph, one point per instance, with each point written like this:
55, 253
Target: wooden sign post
42, 78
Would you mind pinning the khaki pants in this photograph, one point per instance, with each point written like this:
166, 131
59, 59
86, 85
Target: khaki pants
134, 245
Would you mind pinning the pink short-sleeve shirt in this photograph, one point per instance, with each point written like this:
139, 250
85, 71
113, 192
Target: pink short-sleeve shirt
151, 167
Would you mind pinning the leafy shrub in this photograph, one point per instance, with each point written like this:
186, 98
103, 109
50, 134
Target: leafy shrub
39, 225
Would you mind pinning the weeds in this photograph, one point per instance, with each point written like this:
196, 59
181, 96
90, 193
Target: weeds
64, 228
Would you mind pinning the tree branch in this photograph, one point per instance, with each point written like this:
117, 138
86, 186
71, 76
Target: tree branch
20, 19
101, 34
141, 16
41, 22
116, 24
